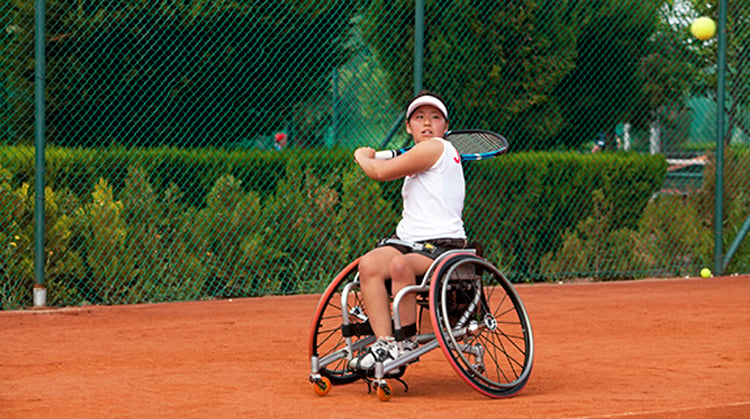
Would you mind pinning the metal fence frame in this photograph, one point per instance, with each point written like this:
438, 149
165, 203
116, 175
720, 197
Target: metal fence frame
721, 259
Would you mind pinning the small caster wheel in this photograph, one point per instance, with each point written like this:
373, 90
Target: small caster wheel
384, 392
321, 386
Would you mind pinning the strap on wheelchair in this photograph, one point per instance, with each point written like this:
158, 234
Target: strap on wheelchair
364, 329
405, 332
356, 329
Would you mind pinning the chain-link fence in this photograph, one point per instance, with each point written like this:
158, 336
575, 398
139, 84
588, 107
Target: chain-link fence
202, 149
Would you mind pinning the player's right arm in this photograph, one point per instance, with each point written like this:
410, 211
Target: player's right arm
418, 159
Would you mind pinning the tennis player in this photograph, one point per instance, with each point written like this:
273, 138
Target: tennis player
433, 201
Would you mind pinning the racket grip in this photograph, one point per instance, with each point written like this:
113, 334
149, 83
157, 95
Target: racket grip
385, 154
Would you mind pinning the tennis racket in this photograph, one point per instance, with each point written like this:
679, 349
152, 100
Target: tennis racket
471, 145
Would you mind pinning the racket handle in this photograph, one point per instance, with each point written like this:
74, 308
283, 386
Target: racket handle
385, 154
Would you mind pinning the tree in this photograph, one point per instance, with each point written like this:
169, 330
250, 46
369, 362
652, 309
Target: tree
16, 71
737, 60
550, 74
619, 57
497, 62
698, 68
188, 74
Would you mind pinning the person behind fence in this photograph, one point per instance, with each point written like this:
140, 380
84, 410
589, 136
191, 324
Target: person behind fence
603, 143
599, 143
433, 199
279, 141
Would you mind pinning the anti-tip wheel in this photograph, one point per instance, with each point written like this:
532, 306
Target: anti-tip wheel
384, 392
321, 386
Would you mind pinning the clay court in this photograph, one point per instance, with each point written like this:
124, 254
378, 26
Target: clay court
648, 348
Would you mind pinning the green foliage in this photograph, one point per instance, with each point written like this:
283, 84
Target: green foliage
735, 199
192, 171
62, 262
220, 236
305, 207
658, 246
736, 182
539, 216
521, 205
549, 76
738, 212
674, 236
365, 215
483, 59
111, 267
188, 73
16, 267
737, 61
681, 247
165, 270
605, 88
16, 59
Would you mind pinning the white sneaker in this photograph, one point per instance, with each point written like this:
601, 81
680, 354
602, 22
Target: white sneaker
382, 350
408, 345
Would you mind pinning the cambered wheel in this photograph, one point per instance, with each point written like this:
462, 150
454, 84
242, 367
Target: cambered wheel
481, 325
326, 335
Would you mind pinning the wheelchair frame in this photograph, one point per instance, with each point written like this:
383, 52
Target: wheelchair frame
472, 335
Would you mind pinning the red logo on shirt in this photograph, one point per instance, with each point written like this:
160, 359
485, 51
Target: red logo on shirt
457, 159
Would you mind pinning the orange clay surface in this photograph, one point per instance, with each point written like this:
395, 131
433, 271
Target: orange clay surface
648, 348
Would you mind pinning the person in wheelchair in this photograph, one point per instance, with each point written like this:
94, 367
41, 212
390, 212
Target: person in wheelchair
433, 200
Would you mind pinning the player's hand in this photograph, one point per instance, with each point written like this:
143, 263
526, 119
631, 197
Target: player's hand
364, 153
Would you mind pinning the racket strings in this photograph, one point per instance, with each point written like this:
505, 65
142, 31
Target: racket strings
477, 143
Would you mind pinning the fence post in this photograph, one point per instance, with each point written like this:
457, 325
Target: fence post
719, 206
418, 45
40, 291
418, 67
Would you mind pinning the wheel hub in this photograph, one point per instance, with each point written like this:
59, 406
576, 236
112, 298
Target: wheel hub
490, 322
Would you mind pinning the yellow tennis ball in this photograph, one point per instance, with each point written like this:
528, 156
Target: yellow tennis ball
705, 273
703, 28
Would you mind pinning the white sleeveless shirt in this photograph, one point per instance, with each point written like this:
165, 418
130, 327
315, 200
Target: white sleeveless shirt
434, 200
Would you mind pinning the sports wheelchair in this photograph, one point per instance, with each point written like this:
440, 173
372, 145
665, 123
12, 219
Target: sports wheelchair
477, 320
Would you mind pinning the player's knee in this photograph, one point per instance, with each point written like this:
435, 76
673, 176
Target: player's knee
369, 268
365, 264
400, 271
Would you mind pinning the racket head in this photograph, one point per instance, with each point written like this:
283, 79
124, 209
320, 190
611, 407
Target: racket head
477, 144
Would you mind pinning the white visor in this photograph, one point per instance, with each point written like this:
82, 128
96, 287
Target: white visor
426, 100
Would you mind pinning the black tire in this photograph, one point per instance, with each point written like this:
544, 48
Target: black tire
473, 305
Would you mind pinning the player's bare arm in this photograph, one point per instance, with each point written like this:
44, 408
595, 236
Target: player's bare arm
420, 158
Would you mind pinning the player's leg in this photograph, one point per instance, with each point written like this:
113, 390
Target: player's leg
373, 273
381, 264
404, 269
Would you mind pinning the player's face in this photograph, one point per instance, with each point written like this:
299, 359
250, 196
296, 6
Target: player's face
426, 122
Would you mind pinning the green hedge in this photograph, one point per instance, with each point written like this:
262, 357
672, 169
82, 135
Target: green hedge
674, 236
127, 226
521, 205
193, 171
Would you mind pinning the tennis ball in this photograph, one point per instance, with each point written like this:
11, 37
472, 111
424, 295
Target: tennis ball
705, 272
703, 28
